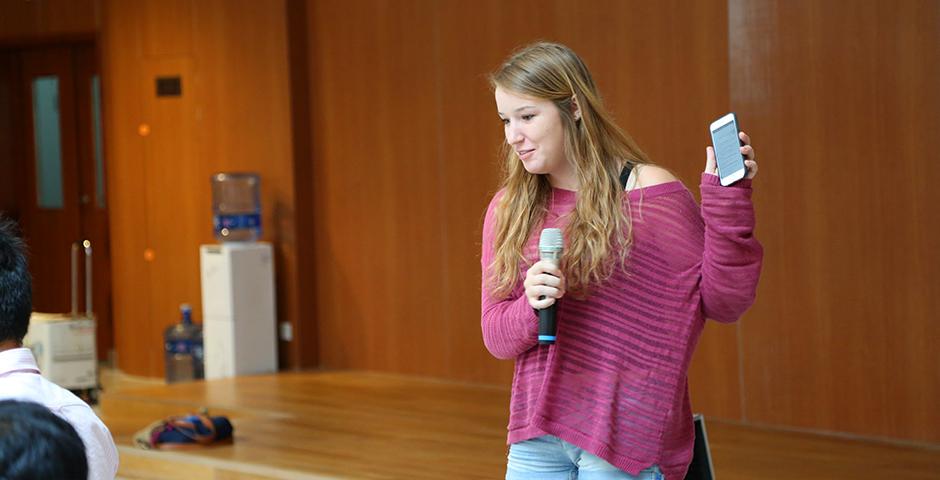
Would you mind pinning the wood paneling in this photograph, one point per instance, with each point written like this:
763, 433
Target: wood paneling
10, 97
243, 120
379, 198
404, 161
172, 198
405, 143
122, 112
377, 187
843, 97
167, 28
469, 168
304, 352
233, 115
37, 19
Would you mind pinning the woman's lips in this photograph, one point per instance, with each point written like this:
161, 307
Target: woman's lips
525, 154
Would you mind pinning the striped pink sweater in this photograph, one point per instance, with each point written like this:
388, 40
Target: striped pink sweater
615, 381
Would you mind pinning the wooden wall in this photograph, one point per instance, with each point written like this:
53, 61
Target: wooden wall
845, 99
375, 201
840, 99
405, 138
29, 20
233, 115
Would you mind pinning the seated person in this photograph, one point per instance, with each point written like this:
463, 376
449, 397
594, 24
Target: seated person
20, 378
35, 444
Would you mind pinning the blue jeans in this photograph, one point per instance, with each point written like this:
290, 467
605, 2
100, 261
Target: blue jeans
551, 458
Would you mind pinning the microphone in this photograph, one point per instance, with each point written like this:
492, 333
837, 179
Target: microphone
550, 246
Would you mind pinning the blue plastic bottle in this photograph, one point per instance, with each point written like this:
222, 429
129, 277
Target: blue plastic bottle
183, 349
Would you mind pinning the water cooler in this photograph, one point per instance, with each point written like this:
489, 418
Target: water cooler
238, 311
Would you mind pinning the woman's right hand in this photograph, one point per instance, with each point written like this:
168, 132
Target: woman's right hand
544, 279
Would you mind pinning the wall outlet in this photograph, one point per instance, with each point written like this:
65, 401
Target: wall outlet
286, 331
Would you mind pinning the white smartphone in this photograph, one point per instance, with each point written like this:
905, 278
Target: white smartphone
728, 149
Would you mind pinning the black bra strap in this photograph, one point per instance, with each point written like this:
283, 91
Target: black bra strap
625, 175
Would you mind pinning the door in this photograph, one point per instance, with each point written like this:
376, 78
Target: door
63, 198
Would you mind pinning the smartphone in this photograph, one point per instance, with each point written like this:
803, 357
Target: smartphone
728, 149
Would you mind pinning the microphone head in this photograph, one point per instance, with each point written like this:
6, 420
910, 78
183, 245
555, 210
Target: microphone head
551, 240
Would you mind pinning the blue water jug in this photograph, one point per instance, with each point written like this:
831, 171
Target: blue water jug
182, 344
236, 207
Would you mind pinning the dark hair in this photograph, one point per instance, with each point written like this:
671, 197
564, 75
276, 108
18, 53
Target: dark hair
16, 291
35, 444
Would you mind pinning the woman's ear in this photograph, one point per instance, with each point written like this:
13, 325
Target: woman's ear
575, 108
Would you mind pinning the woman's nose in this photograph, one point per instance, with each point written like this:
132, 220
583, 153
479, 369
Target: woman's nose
513, 135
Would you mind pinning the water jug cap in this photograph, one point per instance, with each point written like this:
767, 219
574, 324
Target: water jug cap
187, 313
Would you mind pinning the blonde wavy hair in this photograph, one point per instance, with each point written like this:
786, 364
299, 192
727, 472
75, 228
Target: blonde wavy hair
598, 149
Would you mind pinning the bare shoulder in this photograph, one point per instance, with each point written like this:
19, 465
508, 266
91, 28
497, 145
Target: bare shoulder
650, 175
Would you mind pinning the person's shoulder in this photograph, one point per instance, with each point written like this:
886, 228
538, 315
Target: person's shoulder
59, 399
489, 216
83, 418
652, 175
494, 200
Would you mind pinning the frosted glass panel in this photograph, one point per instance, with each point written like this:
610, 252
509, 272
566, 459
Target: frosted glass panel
96, 125
48, 142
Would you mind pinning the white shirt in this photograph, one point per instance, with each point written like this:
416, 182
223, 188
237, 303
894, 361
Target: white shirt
20, 380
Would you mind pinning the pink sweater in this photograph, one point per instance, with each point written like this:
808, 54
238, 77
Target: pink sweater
615, 381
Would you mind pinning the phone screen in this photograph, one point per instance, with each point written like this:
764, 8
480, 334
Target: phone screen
727, 149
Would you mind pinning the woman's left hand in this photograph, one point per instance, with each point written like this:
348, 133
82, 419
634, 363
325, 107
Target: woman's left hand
750, 158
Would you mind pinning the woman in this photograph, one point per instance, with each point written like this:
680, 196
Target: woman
642, 268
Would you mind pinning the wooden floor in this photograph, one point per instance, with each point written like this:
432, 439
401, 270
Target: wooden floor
353, 425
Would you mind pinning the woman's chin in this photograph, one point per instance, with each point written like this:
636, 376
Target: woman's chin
534, 168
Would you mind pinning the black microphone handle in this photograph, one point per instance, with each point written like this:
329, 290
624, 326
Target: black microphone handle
547, 325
